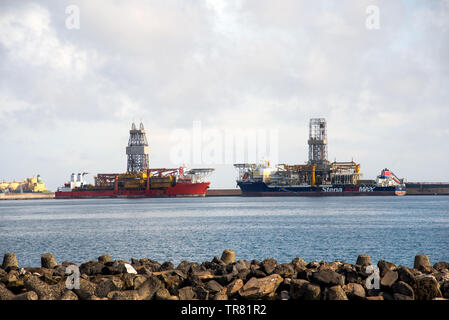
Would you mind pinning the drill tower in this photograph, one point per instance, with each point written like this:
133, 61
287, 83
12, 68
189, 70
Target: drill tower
137, 150
318, 142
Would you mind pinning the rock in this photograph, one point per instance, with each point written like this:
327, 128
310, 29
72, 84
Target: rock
312, 292
426, 287
445, 289
86, 290
298, 288
313, 265
386, 295
440, 266
44, 290
107, 285
285, 270
405, 274
126, 295
234, 287
257, 288
149, 288
167, 266
162, 294
10, 261
91, 268
186, 293
385, 266
354, 291
421, 262
375, 298
201, 293
213, 286
403, 288
228, 256
29, 295
335, 293
298, 264
351, 275
269, 265
48, 261
221, 296
328, 278
398, 296
389, 278
242, 265
104, 258
363, 260
69, 295
5, 294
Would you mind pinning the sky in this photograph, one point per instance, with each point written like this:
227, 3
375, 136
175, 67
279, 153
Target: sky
69, 92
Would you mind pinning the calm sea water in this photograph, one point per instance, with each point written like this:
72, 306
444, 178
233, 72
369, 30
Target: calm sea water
329, 228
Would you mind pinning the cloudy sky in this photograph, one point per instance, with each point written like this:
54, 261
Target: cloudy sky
68, 96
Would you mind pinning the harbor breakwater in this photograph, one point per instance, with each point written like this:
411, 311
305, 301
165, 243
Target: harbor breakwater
223, 278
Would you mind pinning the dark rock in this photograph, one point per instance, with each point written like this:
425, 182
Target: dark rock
354, 291
10, 261
421, 262
187, 293
351, 275
363, 260
228, 256
255, 262
387, 295
444, 287
86, 290
285, 270
257, 288
167, 266
398, 296
244, 274
91, 268
440, 266
268, 265
335, 293
426, 287
5, 294
201, 293
405, 274
48, 261
242, 265
221, 296
375, 298
257, 273
126, 295
172, 282
298, 288
107, 285
305, 274
218, 261
149, 288
29, 295
328, 278
312, 292
385, 266
389, 278
162, 294
403, 288
104, 258
213, 286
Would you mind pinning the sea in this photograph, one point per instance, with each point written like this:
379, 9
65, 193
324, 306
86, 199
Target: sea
198, 229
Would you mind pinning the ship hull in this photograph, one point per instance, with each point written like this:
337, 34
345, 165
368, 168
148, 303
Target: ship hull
260, 189
179, 190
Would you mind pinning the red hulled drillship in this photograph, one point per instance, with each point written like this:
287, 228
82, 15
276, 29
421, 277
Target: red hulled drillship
139, 181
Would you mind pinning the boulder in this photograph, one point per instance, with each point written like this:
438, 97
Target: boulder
86, 290
421, 262
385, 266
389, 278
363, 260
186, 293
328, 278
69, 295
91, 268
335, 293
167, 266
29, 295
228, 256
107, 285
242, 265
298, 264
403, 288
354, 291
201, 292
10, 261
48, 261
313, 265
104, 258
375, 298
234, 287
298, 288
426, 287
268, 265
162, 294
285, 270
5, 294
126, 295
149, 288
213, 286
398, 296
257, 288
44, 290
440, 266
405, 274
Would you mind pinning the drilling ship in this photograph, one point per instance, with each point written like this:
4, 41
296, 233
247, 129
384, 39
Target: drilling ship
139, 181
318, 177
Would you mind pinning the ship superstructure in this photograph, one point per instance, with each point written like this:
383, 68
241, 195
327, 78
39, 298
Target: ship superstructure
317, 177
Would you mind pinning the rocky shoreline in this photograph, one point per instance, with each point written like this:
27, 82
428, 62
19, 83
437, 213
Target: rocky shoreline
223, 279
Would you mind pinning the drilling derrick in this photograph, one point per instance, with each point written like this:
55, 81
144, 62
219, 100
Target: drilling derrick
137, 150
318, 142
